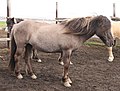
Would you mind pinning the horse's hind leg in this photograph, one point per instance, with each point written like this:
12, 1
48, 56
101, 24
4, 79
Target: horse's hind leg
29, 70
18, 54
60, 59
35, 55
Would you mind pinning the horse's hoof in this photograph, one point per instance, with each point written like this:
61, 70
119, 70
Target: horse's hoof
67, 84
71, 62
19, 76
39, 61
110, 59
61, 63
69, 80
34, 76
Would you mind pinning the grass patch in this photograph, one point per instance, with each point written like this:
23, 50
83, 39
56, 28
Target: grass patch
98, 43
90, 43
2, 24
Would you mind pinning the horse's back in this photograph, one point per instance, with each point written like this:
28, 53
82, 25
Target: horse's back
28, 26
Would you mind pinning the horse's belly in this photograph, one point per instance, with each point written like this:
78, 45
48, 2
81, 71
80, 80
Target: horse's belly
51, 42
45, 46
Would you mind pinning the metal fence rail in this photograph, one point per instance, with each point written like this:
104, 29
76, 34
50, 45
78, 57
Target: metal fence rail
4, 39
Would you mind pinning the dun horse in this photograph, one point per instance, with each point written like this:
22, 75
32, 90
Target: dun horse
115, 29
55, 38
11, 21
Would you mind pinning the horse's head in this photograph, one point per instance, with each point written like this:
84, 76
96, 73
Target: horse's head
102, 27
106, 37
10, 22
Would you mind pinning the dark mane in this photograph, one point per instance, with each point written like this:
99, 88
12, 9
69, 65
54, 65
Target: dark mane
100, 23
14, 20
86, 25
77, 25
19, 20
11, 21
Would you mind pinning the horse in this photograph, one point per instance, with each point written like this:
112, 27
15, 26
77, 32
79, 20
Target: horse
10, 22
64, 38
115, 29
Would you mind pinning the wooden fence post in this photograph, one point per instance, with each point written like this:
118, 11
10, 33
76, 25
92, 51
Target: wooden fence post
8, 15
56, 12
114, 14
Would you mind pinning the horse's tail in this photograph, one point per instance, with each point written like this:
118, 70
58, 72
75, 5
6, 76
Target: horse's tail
12, 52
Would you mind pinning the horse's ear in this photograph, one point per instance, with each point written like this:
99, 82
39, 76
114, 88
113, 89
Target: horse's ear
7, 17
13, 19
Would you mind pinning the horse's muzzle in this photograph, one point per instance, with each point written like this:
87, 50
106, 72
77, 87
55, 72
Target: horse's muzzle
110, 43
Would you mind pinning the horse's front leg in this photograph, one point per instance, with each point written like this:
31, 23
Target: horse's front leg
66, 59
110, 53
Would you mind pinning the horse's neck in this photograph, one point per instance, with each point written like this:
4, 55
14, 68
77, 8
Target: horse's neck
85, 37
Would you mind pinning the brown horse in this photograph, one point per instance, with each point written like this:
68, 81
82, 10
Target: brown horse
115, 29
55, 38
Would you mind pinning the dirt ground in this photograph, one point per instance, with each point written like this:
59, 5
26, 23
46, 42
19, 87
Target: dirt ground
90, 71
